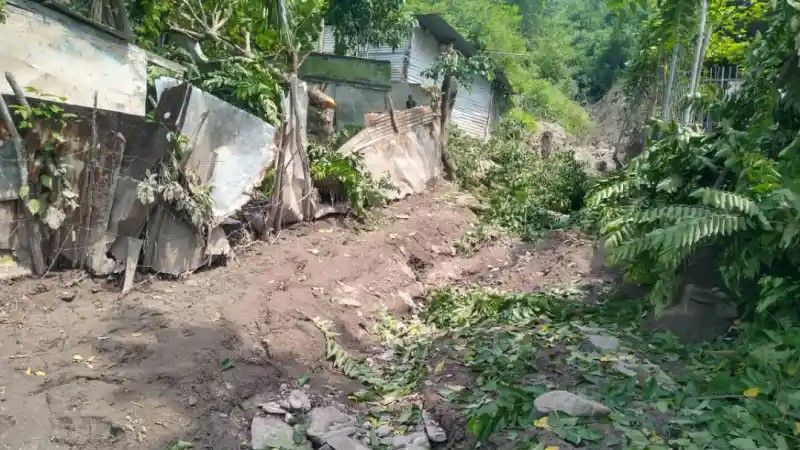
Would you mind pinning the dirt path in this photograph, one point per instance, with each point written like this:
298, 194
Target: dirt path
137, 372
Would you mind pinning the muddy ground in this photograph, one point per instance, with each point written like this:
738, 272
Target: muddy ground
82, 368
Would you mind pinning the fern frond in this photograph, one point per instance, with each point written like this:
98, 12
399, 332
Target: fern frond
615, 190
680, 236
727, 201
616, 237
670, 213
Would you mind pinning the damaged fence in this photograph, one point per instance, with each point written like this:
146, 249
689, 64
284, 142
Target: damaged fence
125, 217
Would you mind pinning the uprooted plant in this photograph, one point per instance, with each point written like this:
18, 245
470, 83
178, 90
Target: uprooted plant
178, 186
348, 173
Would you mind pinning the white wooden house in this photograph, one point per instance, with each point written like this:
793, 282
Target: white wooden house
477, 107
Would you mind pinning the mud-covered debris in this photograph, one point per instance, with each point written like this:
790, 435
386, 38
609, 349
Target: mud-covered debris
569, 403
273, 408
299, 401
66, 296
323, 420
343, 442
349, 302
270, 432
434, 431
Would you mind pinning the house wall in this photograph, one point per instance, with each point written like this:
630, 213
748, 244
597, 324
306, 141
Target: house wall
424, 51
62, 56
397, 57
477, 107
352, 102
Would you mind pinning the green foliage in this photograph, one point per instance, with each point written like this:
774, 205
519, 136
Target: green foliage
541, 80
525, 193
364, 23
48, 195
177, 186
247, 84
2, 11
362, 190
452, 63
733, 190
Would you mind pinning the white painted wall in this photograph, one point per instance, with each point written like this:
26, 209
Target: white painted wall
61, 56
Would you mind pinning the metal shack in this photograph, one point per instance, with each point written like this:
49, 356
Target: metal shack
478, 107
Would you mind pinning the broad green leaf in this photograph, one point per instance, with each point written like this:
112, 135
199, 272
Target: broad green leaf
34, 206
24, 191
46, 181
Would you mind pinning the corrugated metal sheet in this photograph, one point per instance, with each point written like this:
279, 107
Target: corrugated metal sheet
423, 53
328, 42
397, 57
471, 111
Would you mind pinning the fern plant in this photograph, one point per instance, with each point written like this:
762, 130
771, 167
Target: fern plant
735, 189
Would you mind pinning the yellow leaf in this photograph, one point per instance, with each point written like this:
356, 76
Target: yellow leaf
544, 329
797, 427
439, 367
552, 447
541, 423
28, 371
752, 392
77, 358
40, 373
607, 358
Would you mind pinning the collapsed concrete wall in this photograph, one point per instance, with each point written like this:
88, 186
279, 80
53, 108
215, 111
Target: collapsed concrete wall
403, 145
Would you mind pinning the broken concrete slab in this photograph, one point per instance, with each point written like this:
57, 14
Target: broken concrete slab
569, 403
133, 249
231, 149
174, 247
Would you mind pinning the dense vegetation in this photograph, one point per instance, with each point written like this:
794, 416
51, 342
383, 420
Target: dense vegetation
728, 188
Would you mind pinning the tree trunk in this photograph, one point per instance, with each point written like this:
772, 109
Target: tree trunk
449, 92
698, 56
673, 68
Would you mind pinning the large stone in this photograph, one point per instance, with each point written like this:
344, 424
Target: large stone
569, 403
701, 314
434, 431
270, 432
324, 420
344, 442
299, 401
602, 343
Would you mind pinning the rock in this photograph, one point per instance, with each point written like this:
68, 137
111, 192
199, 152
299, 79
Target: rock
366, 425
420, 439
343, 442
413, 446
605, 344
273, 408
192, 401
299, 401
434, 431
398, 441
66, 296
290, 418
267, 432
569, 403
349, 302
323, 420
383, 431
624, 369
346, 431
